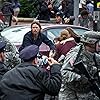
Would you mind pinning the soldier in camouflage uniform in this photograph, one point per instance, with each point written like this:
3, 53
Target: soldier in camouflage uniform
11, 54
75, 86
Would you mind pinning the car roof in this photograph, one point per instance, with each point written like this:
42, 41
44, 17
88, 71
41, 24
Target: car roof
21, 30
48, 25
45, 26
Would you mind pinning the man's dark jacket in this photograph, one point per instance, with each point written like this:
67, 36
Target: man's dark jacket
28, 40
28, 82
3, 69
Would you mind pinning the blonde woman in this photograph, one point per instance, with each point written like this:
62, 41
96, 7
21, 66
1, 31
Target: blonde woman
66, 42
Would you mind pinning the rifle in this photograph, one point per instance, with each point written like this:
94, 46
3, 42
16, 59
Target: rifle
80, 69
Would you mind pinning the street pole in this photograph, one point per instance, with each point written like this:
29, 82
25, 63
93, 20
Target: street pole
76, 11
1, 2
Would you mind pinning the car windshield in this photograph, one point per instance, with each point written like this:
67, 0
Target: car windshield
16, 33
52, 33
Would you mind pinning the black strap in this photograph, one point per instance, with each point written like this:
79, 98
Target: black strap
78, 54
96, 65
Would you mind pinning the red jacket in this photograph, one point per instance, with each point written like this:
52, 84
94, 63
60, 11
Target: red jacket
63, 48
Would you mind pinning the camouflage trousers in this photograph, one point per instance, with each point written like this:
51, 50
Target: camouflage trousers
69, 95
48, 97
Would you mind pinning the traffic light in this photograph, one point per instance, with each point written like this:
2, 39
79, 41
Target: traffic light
96, 5
96, 15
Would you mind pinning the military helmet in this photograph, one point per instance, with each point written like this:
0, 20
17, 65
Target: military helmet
91, 37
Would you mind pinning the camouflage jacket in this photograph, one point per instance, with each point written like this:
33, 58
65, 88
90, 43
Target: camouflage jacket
11, 54
74, 86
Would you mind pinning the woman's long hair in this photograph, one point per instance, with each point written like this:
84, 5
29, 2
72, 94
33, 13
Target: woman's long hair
73, 34
69, 32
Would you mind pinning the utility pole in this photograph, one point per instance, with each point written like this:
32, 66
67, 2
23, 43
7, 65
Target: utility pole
96, 15
76, 11
1, 2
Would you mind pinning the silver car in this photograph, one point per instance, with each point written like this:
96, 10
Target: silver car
16, 33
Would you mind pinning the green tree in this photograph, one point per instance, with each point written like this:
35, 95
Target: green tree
29, 8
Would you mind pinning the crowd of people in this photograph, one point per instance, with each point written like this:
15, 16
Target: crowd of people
23, 78
64, 12
56, 81
9, 11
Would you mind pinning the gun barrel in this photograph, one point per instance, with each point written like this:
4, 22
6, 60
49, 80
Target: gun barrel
79, 68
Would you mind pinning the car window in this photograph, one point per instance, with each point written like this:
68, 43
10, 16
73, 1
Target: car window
80, 31
52, 33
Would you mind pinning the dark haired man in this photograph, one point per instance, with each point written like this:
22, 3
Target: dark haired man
59, 18
85, 19
36, 37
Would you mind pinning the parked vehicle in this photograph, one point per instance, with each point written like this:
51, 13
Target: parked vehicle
15, 33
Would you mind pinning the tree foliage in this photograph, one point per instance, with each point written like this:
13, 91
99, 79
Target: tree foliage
29, 8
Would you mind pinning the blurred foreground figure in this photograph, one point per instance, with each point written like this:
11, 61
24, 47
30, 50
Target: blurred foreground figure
3, 67
27, 81
11, 53
75, 86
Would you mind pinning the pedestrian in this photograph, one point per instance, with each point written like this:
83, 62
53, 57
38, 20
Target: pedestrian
67, 41
75, 86
90, 7
85, 19
16, 9
11, 8
15, 6
36, 37
3, 67
82, 5
27, 81
68, 11
59, 18
45, 10
7, 10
